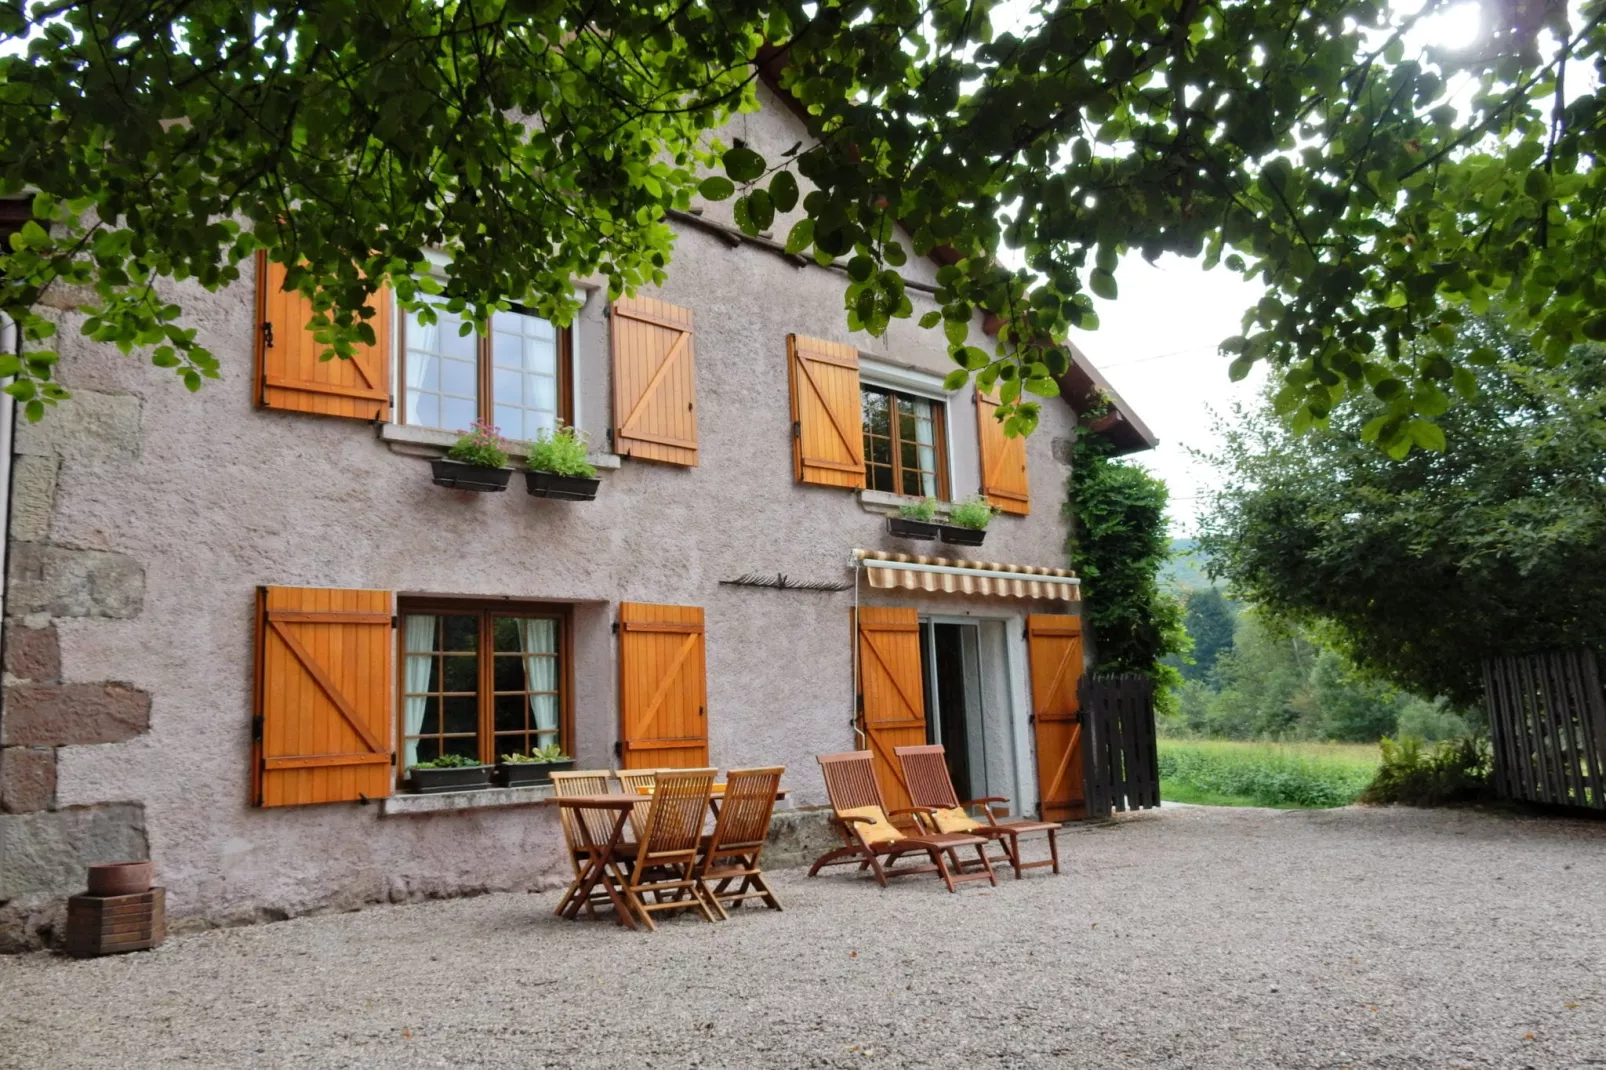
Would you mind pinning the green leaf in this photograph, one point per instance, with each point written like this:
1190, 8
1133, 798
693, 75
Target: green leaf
956, 330
1102, 284
1428, 435
1239, 369
955, 379
801, 236
783, 191
716, 188
928, 321
742, 164
760, 209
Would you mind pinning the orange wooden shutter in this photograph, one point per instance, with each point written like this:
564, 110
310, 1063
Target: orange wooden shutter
892, 696
827, 412
290, 373
1003, 461
1054, 644
324, 674
654, 381
663, 687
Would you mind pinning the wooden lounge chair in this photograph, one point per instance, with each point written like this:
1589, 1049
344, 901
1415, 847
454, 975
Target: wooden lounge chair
732, 853
583, 782
664, 861
860, 818
925, 770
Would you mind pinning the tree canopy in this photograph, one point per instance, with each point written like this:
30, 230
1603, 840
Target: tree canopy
1420, 567
1378, 188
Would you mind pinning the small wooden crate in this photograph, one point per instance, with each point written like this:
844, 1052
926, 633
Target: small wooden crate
107, 925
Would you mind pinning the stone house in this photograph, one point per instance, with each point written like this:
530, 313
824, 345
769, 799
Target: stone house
233, 619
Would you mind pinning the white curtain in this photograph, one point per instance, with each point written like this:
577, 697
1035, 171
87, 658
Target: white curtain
420, 639
925, 447
539, 641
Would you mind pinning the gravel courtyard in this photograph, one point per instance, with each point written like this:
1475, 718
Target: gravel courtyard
1185, 938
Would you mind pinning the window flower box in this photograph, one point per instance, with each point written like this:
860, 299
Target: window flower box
563, 488
460, 476
903, 527
428, 781
530, 774
958, 536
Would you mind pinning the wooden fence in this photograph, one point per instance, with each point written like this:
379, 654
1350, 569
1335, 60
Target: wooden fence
1547, 721
1120, 767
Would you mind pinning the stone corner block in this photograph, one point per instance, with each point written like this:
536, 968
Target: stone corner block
49, 853
27, 779
64, 582
33, 497
51, 715
91, 427
32, 654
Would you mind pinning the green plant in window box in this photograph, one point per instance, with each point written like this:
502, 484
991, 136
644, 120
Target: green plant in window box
449, 772
536, 767
559, 468
915, 520
476, 461
967, 522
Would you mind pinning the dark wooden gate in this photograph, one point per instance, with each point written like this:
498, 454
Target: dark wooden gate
1547, 721
1120, 767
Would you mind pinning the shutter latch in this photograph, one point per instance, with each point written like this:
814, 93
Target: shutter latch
797, 428
267, 334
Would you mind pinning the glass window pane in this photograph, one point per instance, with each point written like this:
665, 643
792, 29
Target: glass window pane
461, 633
460, 673
432, 716
505, 635
877, 420
461, 713
458, 378
880, 478
453, 342
880, 451
507, 348
458, 414
423, 371
908, 456
541, 392
506, 386
467, 746
423, 410
428, 749
512, 713
508, 673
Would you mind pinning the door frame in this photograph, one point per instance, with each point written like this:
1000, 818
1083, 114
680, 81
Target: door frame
1017, 699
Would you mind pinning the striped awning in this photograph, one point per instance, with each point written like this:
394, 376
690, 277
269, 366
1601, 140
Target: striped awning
916, 572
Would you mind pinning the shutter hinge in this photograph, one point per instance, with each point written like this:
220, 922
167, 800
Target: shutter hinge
610, 440
607, 311
797, 428
615, 627
256, 729
395, 622
362, 800
618, 749
267, 334
700, 711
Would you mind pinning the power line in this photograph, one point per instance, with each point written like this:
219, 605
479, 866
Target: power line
1158, 356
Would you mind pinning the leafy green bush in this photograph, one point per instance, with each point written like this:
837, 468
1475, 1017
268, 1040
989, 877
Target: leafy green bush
480, 446
561, 452
1271, 776
447, 761
924, 510
1455, 771
975, 513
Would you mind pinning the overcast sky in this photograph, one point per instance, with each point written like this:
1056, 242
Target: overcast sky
1156, 343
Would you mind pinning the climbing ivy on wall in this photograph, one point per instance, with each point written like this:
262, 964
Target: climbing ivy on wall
1118, 544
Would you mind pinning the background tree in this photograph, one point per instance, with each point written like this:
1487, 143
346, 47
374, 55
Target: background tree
1378, 188
1419, 568
1209, 619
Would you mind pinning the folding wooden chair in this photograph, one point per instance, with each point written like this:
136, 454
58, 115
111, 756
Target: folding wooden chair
632, 781
665, 859
732, 853
925, 770
584, 782
861, 819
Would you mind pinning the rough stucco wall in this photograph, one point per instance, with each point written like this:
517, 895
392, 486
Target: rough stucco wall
222, 497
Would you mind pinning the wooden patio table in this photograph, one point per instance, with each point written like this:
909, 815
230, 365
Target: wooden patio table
718, 794
600, 855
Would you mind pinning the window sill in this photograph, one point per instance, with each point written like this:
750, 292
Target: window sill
886, 503
430, 442
447, 802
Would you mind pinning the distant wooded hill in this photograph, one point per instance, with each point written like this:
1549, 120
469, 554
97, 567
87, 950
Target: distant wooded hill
1186, 569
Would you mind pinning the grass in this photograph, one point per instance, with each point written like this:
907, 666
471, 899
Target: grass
1284, 775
